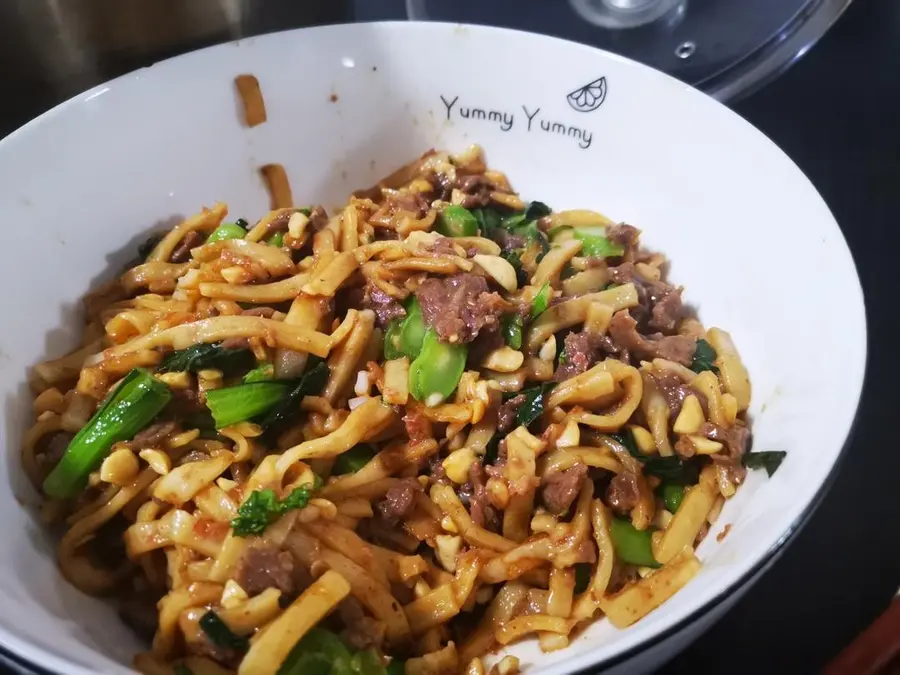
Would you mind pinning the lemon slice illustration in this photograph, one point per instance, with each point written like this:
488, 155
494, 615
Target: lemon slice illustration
589, 97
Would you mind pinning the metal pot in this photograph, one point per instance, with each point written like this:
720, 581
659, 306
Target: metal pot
53, 49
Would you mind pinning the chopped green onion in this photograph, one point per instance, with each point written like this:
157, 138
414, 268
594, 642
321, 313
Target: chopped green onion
231, 405
227, 231
354, 459
412, 330
457, 221
511, 326
262, 373
263, 508
633, 546
276, 240
435, 372
133, 405
671, 495
242, 223
488, 221
594, 242
541, 301
220, 634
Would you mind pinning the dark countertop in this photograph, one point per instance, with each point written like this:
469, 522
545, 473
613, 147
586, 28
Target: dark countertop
837, 114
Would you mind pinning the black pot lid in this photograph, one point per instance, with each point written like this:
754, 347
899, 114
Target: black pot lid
725, 47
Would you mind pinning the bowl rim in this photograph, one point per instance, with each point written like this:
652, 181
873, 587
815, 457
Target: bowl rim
24, 663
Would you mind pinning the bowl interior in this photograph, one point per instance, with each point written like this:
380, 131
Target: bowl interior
747, 235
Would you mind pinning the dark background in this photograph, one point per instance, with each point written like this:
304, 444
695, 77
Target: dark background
837, 114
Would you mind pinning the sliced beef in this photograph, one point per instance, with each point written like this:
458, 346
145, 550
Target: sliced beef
477, 190
737, 441
360, 631
443, 246
418, 428
399, 501
623, 494
318, 219
483, 514
506, 414
386, 308
236, 343
678, 348
659, 303
625, 236
675, 390
458, 307
153, 435
265, 567
264, 312
436, 470
54, 448
667, 309
612, 348
415, 203
507, 241
581, 350
561, 488
622, 274
182, 252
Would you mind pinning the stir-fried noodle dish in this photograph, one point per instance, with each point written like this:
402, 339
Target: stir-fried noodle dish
391, 439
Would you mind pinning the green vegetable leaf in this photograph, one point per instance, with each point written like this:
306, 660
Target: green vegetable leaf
311, 384
514, 259
541, 301
525, 223
319, 652
146, 248
181, 669
354, 459
671, 469
583, 573
276, 240
262, 508
220, 634
511, 327
412, 330
396, 667
457, 221
435, 372
202, 356
769, 460
133, 405
231, 405
633, 546
533, 407
704, 357
488, 221
227, 231
262, 373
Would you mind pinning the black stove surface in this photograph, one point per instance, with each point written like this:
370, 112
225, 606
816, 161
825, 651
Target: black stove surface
837, 114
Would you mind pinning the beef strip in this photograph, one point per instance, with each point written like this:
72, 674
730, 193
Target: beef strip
443, 246
582, 350
477, 190
624, 235
458, 307
659, 303
399, 501
236, 343
386, 308
675, 390
54, 448
737, 441
667, 309
264, 567
318, 218
483, 514
264, 312
678, 348
415, 203
153, 435
623, 494
360, 631
182, 252
561, 488
506, 414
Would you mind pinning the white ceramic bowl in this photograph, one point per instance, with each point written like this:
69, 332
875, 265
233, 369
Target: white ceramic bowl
748, 236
